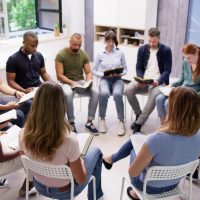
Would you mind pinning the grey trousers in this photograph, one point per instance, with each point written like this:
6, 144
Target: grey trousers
131, 90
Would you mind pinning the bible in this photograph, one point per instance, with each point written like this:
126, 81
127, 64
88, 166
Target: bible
84, 139
12, 114
11, 137
28, 96
166, 90
114, 70
87, 84
143, 80
137, 141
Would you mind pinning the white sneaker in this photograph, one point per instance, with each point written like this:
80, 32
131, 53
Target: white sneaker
121, 129
102, 126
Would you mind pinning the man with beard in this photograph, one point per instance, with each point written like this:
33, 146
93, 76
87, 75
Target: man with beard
24, 68
72, 65
154, 61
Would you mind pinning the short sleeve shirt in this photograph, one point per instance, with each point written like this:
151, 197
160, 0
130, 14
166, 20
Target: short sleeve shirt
68, 152
73, 63
25, 68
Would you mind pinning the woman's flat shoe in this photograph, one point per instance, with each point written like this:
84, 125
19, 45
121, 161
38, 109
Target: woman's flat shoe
107, 165
129, 189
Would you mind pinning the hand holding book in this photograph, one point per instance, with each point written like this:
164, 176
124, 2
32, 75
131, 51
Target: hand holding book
147, 81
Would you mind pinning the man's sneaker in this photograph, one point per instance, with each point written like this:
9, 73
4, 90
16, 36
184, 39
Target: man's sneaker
92, 128
195, 177
136, 127
4, 183
102, 126
132, 125
121, 129
73, 126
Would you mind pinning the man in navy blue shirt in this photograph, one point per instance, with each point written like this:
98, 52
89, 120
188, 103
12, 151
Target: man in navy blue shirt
154, 61
25, 67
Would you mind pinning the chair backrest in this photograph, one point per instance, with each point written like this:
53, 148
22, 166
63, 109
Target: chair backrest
169, 173
51, 171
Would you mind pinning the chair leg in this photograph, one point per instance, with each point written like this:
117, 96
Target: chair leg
94, 187
122, 188
27, 186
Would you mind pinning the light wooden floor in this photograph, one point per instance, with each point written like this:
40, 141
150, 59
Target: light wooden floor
110, 142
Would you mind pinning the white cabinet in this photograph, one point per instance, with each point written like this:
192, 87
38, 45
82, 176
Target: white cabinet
105, 12
132, 13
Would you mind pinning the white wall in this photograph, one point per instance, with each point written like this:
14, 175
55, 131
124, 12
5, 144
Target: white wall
74, 15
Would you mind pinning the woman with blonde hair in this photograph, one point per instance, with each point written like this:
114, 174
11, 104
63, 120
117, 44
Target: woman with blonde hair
190, 77
47, 138
176, 142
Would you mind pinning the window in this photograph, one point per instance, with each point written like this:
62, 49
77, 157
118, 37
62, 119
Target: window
193, 24
17, 16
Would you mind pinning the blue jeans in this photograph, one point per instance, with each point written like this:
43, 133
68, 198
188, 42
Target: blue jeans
93, 102
126, 150
93, 164
115, 87
22, 112
162, 105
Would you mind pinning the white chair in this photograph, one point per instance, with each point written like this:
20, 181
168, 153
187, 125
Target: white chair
51, 171
158, 173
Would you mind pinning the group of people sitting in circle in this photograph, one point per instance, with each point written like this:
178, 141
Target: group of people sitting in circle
57, 144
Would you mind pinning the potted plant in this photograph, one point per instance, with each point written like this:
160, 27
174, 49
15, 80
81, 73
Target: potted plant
56, 30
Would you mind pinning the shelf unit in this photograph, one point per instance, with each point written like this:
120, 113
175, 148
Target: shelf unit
125, 36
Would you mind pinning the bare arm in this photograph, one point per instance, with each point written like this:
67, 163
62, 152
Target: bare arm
5, 89
140, 162
60, 74
45, 76
12, 83
78, 170
7, 156
87, 71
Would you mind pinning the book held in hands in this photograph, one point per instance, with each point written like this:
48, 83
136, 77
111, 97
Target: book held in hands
137, 141
114, 70
166, 90
12, 114
143, 80
11, 138
87, 84
28, 96
84, 140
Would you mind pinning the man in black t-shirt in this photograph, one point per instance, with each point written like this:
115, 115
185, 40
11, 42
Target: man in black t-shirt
24, 68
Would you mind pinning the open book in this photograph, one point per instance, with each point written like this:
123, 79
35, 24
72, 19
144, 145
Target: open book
144, 80
28, 96
12, 114
84, 86
166, 90
84, 140
114, 70
11, 138
137, 141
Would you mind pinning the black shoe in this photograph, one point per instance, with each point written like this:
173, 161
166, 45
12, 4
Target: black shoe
195, 176
92, 128
107, 165
136, 127
73, 126
129, 193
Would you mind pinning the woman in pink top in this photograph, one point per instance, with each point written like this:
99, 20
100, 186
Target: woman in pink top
47, 138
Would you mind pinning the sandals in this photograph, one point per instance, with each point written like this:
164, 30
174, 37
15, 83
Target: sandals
107, 165
129, 189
